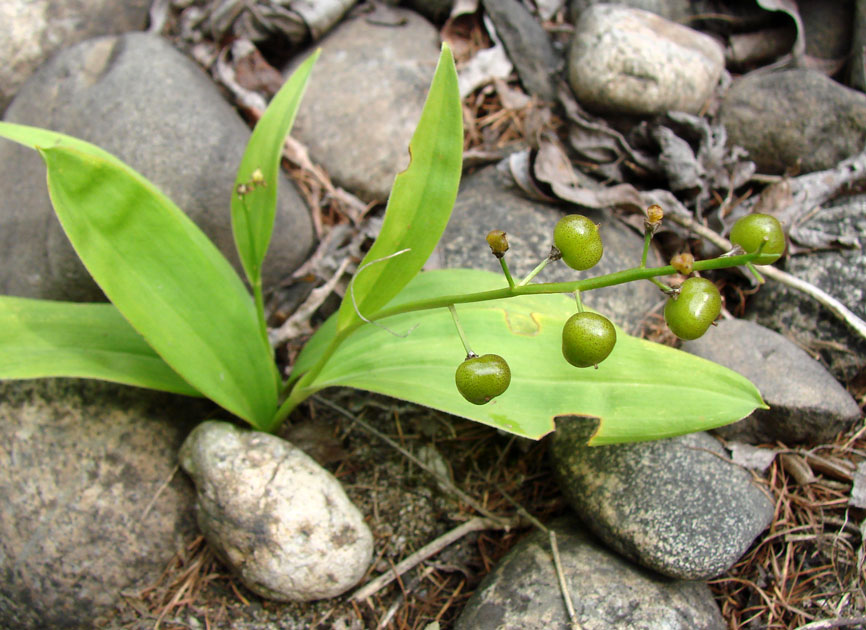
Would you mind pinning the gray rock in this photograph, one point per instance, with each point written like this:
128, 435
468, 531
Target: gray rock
675, 506
437, 11
806, 403
629, 61
364, 100
522, 592
140, 99
794, 119
827, 27
673, 10
35, 29
84, 516
528, 46
838, 272
485, 203
277, 518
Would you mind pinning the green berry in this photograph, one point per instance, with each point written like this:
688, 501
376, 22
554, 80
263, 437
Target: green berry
587, 339
479, 379
696, 307
577, 238
751, 230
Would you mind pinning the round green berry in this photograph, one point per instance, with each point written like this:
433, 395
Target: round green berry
752, 230
689, 314
587, 339
479, 379
577, 238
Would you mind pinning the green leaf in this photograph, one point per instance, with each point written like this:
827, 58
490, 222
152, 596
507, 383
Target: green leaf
41, 339
642, 391
420, 203
166, 278
253, 213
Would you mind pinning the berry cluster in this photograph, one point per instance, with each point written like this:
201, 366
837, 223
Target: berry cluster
589, 338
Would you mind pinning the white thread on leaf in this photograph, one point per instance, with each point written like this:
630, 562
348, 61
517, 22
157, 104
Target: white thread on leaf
355, 304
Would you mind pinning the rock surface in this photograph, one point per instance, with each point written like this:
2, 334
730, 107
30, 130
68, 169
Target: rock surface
522, 592
806, 403
35, 29
675, 506
381, 74
278, 519
83, 515
527, 44
673, 10
485, 203
794, 119
140, 99
838, 272
629, 61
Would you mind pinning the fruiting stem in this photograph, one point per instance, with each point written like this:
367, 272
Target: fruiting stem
507, 273
304, 385
661, 285
534, 272
578, 300
758, 277
469, 353
647, 237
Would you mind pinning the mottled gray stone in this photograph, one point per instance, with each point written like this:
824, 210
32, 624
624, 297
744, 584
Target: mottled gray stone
364, 100
838, 272
631, 61
827, 27
34, 29
140, 99
806, 403
85, 515
485, 203
675, 506
673, 10
794, 119
278, 519
528, 46
522, 592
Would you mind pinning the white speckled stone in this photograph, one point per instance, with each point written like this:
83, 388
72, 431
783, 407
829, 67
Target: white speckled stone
634, 62
278, 519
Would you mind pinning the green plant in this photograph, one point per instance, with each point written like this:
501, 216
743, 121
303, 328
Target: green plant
578, 241
587, 339
181, 320
693, 309
754, 230
480, 379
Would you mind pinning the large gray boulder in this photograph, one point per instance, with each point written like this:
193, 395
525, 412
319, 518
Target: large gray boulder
91, 502
33, 30
143, 101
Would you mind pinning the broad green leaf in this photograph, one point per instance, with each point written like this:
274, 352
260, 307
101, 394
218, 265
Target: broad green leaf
420, 203
42, 339
642, 391
166, 278
253, 212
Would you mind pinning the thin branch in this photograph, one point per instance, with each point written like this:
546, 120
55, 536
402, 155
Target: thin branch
563, 585
299, 322
444, 481
429, 550
826, 624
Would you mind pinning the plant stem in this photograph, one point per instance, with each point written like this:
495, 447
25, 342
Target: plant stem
505, 270
469, 353
647, 237
758, 277
534, 272
578, 300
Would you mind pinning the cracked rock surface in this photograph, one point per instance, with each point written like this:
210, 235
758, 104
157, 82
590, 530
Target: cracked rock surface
278, 519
